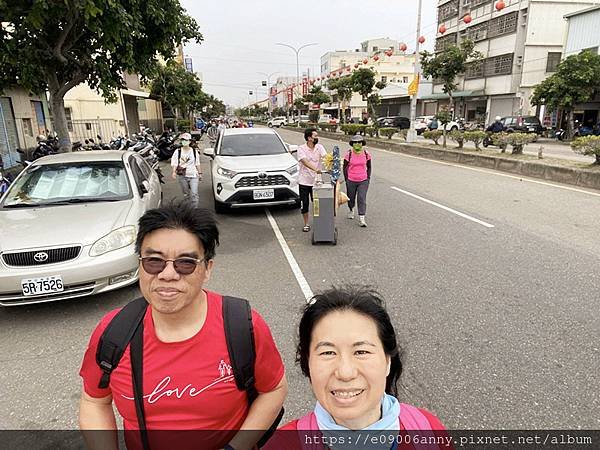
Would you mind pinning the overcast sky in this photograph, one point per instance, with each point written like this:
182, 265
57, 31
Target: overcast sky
240, 36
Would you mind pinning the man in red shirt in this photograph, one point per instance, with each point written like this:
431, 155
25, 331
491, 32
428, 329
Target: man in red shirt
188, 381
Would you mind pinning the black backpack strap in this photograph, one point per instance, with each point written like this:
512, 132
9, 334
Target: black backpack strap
136, 351
239, 335
116, 337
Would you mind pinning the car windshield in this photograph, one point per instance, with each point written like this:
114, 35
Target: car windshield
78, 182
251, 145
530, 120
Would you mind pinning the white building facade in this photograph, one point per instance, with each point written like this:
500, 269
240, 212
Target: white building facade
521, 45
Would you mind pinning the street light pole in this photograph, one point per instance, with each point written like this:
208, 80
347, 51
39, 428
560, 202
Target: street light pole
268, 88
411, 136
297, 51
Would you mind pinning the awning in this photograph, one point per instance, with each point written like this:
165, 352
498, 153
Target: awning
134, 93
457, 94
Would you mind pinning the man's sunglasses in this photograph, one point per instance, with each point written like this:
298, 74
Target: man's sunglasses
183, 266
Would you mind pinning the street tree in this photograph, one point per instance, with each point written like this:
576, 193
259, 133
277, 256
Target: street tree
576, 80
363, 82
448, 64
343, 88
55, 45
316, 96
180, 90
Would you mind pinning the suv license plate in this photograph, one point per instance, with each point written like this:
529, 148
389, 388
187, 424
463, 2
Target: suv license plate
45, 285
263, 194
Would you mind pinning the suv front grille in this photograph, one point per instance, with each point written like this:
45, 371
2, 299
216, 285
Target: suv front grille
270, 180
53, 255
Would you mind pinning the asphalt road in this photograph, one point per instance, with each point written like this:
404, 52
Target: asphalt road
499, 325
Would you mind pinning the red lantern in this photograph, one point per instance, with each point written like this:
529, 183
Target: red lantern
348, 69
375, 58
500, 5
403, 47
389, 53
365, 61
312, 81
328, 76
467, 18
421, 39
356, 65
442, 29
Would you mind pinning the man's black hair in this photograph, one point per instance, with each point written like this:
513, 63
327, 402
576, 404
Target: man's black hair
181, 215
308, 133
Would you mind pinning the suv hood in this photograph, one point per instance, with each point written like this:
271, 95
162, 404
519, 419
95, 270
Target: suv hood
264, 163
81, 224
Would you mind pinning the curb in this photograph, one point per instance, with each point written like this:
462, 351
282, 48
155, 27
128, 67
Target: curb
576, 177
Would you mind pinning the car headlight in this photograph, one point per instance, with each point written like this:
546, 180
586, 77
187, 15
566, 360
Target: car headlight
119, 238
226, 172
292, 170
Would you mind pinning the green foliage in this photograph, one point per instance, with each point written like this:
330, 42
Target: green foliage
184, 125
299, 103
476, 137
501, 140
403, 134
328, 127
363, 82
434, 135
316, 96
278, 112
313, 116
353, 128
459, 137
575, 81
388, 132
519, 140
372, 131
450, 63
56, 45
587, 145
444, 116
178, 89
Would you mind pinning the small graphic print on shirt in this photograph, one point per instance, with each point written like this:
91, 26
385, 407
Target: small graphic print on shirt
163, 388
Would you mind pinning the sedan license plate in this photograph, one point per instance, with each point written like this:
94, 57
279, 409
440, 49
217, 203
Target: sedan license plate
45, 285
263, 194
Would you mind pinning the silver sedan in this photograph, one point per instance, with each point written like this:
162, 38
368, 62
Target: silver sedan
69, 223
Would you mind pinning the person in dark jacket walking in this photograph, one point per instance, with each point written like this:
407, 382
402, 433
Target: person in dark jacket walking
357, 172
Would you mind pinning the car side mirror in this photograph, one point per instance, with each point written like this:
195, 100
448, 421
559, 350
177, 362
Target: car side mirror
210, 152
292, 148
145, 187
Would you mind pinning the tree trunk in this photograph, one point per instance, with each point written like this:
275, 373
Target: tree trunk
57, 108
517, 149
570, 124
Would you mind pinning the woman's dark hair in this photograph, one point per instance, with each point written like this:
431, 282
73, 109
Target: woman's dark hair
181, 215
361, 300
308, 133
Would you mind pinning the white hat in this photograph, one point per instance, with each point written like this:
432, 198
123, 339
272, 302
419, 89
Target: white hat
186, 136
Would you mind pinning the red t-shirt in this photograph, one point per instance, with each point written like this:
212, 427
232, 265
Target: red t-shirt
188, 385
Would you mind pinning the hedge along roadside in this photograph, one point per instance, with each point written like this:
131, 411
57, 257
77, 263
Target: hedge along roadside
587, 178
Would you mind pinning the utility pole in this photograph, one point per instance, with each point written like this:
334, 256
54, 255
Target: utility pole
411, 136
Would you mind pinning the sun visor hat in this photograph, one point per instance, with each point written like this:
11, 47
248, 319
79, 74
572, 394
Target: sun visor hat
357, 138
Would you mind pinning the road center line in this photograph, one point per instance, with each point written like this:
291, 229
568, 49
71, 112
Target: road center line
304, 286
453, 211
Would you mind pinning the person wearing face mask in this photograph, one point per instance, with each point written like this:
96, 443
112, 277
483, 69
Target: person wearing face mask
348, 350
357, 172
186, 169
310, 158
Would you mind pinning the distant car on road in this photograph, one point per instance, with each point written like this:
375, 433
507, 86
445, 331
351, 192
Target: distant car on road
69, 223
252, 167
394, 122
328, 119
422, 123
277, 122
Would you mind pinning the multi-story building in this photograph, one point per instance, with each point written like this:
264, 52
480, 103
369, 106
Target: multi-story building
521, 45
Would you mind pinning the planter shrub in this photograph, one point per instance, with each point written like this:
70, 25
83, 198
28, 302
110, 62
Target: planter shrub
388, 132
588, 146
476, 137
459, 137
434, 135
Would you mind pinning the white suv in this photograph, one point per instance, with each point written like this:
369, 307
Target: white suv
252, 167
277, 122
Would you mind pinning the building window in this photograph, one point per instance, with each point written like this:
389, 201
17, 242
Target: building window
27, 127
474, 70
375, 49
69, 116
384, 79
405, 79
448, 10
503, 25
497, 65
443, 43
469, 4
553, 61
478, 32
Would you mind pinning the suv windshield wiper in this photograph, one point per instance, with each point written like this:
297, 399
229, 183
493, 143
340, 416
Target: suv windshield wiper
71, 201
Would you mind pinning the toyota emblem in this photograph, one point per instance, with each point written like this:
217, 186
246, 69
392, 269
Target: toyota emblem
40, 257
262, 175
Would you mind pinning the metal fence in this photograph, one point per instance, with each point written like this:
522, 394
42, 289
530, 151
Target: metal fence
82, 129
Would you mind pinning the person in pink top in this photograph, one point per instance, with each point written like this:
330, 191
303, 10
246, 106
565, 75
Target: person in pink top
357, 172
309, 157
348, 350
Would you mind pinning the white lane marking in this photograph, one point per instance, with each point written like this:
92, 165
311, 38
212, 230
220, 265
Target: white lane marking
491, 172
453, 211
304, 286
